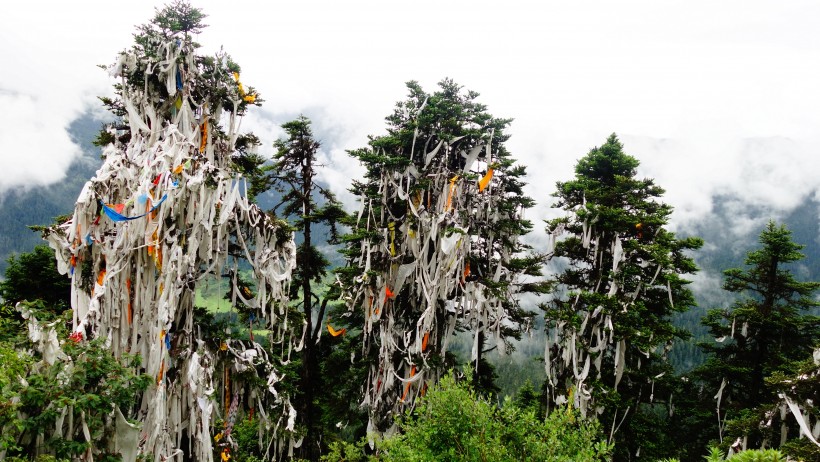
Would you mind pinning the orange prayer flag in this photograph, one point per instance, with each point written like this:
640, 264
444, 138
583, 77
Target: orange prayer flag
101, 277
335, 332
450, 194
484, 182
204, 130
407, 387
161, 370
424, 341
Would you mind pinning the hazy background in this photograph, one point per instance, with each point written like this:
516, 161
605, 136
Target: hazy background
714, 98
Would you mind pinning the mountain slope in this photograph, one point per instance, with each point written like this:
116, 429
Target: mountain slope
39, 205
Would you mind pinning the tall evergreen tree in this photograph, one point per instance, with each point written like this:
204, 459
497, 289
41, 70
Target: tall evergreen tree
619, 281
294, 175
436, 245
767, 331
164, 212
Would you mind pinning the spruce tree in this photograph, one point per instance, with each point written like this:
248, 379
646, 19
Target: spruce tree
309, 205
618, 282
435, 247
766, 333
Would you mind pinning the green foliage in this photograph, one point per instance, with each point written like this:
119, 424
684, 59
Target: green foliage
180, 16
343, 418
527, 397
38, 398
245, 434
420, 188
452, 422
801, 387
34, 276
620, 281
33, 280
765, 334
308, 205
39, 458
15, 365
343, 451
304, 201
751, 455
12, 327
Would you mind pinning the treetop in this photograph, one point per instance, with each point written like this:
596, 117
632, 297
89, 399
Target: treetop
179, 16
607, 162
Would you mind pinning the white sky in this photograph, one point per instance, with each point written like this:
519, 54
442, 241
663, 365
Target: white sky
712, 97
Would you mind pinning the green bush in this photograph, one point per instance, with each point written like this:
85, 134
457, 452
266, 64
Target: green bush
89, 382
452, 422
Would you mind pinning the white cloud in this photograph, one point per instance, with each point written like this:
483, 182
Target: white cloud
683, 83
34, 147
49, 53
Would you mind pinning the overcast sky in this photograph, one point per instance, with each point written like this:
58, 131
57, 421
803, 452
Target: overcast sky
712, 97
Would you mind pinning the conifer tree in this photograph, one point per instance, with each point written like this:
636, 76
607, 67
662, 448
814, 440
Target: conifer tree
34, 276
435, 247
164, 212
294, 174
766, 333
619, 281
797, 391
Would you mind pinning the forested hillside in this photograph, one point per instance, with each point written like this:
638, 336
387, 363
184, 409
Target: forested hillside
39, 205
724, 248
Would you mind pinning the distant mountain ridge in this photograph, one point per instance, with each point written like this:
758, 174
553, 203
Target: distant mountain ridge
39, 205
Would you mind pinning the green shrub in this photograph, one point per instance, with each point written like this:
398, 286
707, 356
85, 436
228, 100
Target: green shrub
452, 422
